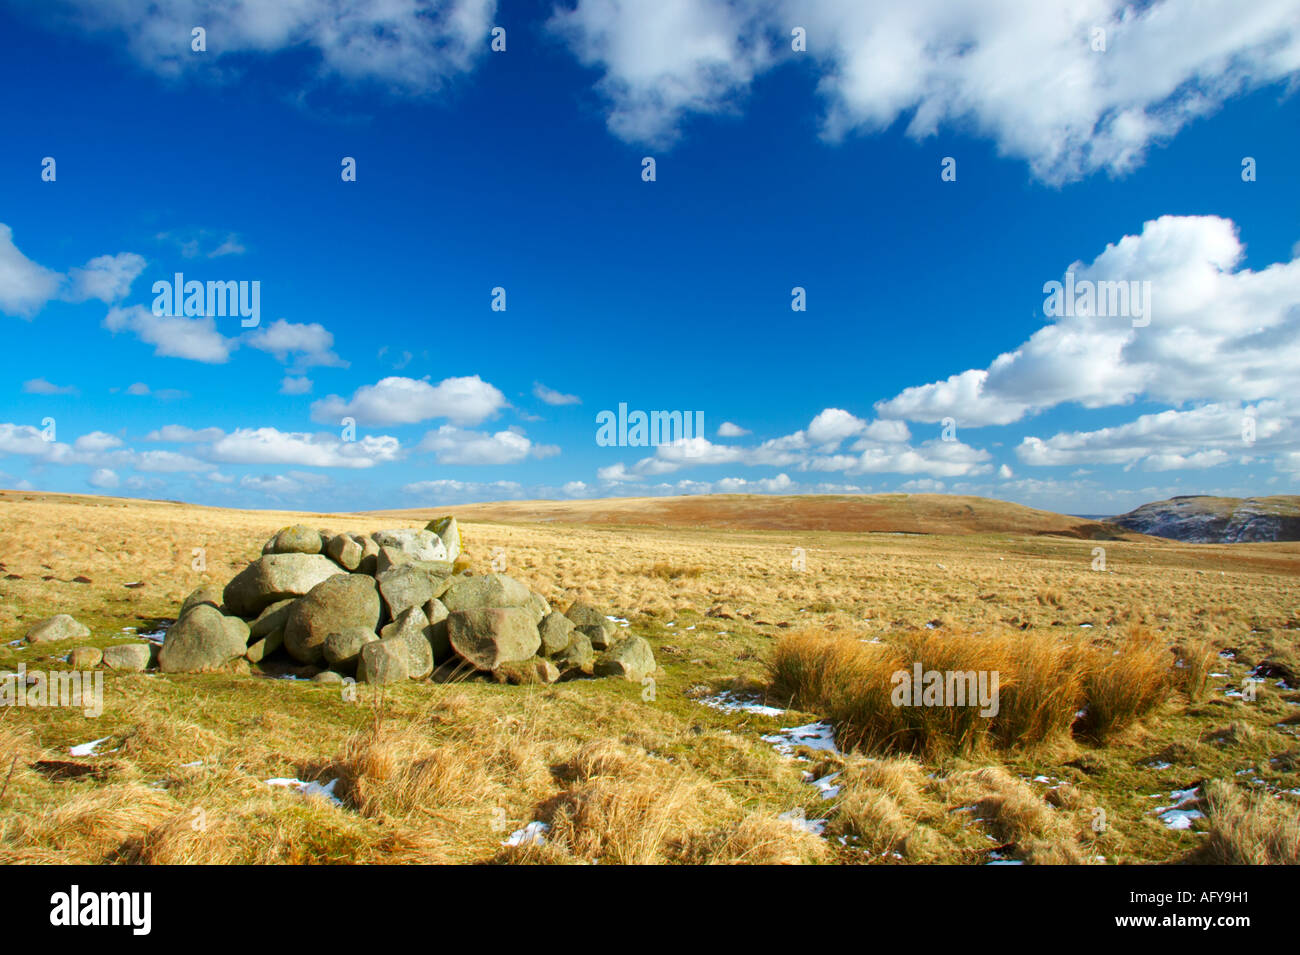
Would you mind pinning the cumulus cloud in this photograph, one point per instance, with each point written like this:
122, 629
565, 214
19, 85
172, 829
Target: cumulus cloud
1199, 437
729, 430
1022, 73
196, 339
107, 278
445, 491
1216, 333
272, 446
453, 445
104, 478
397, 400
307, 344
295, 386
25, 287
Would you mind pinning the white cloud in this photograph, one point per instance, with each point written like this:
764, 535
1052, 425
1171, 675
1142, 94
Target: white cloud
39, 386
25, 287
106, 277
397, 400
553, 397
1020, 72
104, 478
181, 434
729, 430
446, 491
400, 45
139, 389
308, 344
295, 386
1215, 335
1200, 437
96, 441
173, 336
453, 445
272, 446
664, 59
577, 489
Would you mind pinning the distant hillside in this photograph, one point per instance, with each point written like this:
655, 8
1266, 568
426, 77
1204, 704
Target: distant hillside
1200, 519
879, 513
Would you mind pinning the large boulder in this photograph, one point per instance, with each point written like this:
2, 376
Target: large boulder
129, 657
203, 641
59, 627
343, 647
539, 606
383, 661
535, 670
629, 657
411, 585
276, 577
271, 619
344, 551
449, 531
260, 649
489, 590
369, 556
417, 544
487, 638
346, 600
207, 594
85, 658
411, 631
578, 655
297, 539
556, 631
437, 614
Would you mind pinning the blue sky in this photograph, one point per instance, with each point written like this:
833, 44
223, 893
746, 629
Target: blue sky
775, 168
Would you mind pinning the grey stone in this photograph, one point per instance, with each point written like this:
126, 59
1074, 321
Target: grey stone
59, 627
417, 544
85, 658
488, 638
207, 594
336, 603
556, 631
297, 539
411, 585
262, 648
578, 655
341, 647
489, 590
203, 641
129, 657
449, 531
629, 657
538, 605
344, 551
276, 577
382, 662
272, 618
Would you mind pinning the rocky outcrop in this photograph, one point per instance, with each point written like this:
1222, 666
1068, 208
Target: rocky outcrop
1217, 520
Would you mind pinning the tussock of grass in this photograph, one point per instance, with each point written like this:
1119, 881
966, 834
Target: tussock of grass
1043, 681
1250, 828
665, 570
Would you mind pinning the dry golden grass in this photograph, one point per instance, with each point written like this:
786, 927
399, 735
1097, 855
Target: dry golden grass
1042, 682
1250, 828
433, 774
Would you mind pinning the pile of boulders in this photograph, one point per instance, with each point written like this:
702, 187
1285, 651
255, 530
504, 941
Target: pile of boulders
392, 606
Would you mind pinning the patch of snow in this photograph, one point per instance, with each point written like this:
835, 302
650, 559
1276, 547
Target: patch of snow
1180, 818
88, 749
816, 736
533, 834
1159, 765
797, 819
825, 786
730, 703
309, 789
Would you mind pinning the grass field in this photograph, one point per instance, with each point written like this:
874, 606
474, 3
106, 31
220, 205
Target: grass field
446, 772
